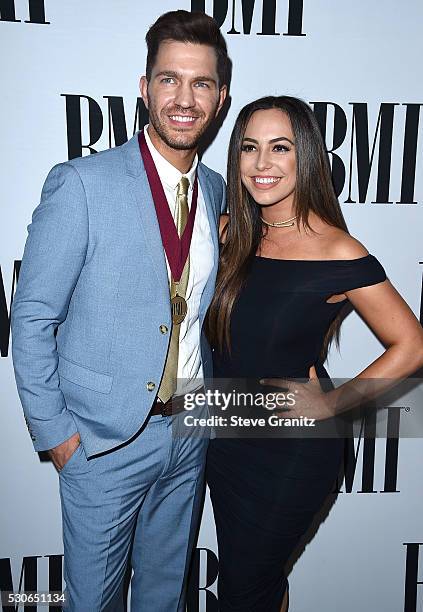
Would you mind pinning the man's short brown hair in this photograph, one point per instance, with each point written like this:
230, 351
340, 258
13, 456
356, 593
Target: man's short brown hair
188, 27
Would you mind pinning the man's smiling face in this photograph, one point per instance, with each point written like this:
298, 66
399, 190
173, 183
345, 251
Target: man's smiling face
183, 95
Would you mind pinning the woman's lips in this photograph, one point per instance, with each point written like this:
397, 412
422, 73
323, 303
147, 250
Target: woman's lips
265, 182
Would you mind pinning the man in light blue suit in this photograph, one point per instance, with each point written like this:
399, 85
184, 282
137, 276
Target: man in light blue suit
92, 329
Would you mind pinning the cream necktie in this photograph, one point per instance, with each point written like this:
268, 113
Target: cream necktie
169, 380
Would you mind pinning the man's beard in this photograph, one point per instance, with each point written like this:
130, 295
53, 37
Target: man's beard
163, 131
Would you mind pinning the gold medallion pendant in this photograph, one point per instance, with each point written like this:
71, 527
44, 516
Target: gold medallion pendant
179, 309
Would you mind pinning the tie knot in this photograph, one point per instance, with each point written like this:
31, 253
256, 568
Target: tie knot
182, 187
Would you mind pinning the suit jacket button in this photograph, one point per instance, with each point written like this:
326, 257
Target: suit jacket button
151, 386
164, 329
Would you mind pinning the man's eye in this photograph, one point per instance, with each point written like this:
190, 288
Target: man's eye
202, 84
247, 148
169, 80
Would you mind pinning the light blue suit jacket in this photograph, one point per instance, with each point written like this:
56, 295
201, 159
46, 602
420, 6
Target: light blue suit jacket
92, 294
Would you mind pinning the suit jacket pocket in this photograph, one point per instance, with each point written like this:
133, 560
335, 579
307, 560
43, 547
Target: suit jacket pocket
84, 377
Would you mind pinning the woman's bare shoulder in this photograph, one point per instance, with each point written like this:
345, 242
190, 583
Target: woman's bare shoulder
341, 245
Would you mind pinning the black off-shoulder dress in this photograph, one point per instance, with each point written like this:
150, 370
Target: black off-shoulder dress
265, 492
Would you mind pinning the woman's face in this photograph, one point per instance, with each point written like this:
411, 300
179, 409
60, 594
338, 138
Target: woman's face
268, 162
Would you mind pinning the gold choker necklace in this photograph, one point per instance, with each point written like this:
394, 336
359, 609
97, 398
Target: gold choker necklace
287, 223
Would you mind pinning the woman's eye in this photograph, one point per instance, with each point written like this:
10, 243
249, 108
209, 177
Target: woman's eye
280, 148
247, 148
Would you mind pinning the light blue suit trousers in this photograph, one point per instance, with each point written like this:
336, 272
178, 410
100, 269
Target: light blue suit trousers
144, 497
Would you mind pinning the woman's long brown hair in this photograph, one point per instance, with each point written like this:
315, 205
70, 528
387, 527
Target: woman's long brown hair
313, 192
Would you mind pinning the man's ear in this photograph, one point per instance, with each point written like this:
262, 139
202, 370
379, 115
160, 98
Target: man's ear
223, 92
143, 90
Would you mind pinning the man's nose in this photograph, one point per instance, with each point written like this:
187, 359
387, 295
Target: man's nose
185, 96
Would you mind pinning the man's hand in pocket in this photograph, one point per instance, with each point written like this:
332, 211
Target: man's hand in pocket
61, 454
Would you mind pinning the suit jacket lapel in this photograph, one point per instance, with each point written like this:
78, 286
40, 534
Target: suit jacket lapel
139, 190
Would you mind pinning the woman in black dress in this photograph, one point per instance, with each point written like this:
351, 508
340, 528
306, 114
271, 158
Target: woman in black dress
288, 266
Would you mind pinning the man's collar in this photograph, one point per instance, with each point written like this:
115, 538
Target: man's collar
167, 172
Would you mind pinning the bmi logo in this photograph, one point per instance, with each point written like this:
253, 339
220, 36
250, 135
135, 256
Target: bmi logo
115, 117
203, 576
366, 153
365, 445
5, 312
242, 13
36, 8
